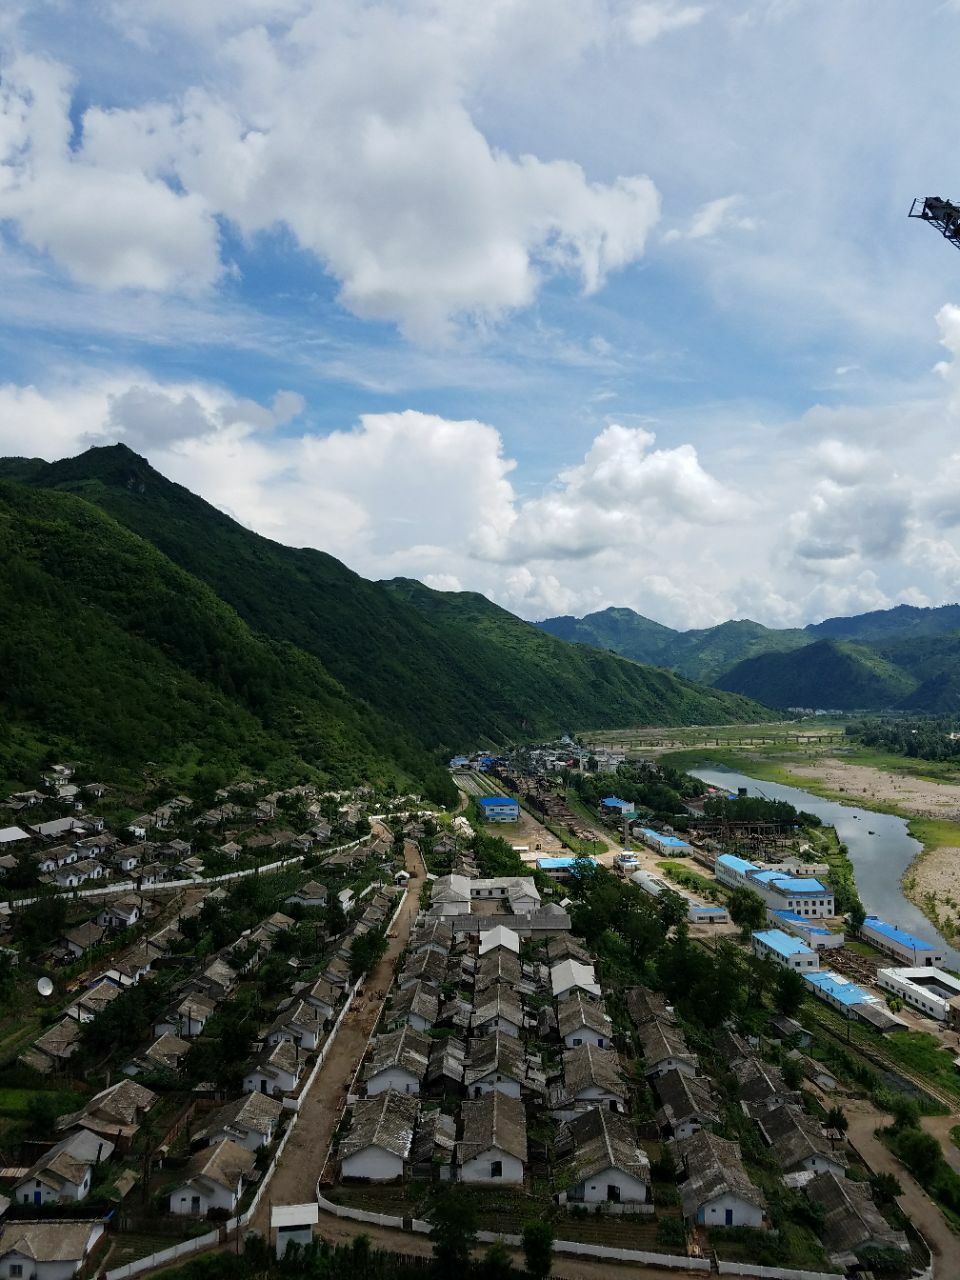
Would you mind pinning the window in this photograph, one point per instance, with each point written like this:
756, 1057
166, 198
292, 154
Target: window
496, 1169
613, 1193
16, 1269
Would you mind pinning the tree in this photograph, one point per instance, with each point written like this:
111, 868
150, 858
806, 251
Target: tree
792, 1073
856, 915
906, 1112
672, 907
538, 1248
41, 1116
789, 992
497, 1264
837, 1119
747, 909
921, 1153
886, 1187
454, 1234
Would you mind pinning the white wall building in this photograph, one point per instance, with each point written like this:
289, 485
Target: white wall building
903, 946
786, 950
929, 990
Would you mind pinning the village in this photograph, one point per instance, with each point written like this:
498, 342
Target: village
299, 1012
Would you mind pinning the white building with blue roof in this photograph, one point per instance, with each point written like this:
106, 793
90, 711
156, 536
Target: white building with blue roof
786, 950
816, 936
802, 895
914, 952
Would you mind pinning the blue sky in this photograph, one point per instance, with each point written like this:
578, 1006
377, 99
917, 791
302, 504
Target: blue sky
576, 304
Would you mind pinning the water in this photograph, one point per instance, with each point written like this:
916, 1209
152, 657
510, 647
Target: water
879, 860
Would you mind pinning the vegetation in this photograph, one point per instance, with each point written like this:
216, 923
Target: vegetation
191, 637
830, 673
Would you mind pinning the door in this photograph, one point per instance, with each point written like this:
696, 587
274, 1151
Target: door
38, 1197
728, 1218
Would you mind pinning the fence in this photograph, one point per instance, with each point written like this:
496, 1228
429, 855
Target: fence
234, 1224
773, 1273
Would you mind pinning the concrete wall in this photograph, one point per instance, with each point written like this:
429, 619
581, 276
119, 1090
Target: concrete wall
714, 1214
478, 1169
393, 1078
373, 1163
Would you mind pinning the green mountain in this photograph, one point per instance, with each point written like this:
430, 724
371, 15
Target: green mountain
829, 674
226, 643
885, 626
699, 654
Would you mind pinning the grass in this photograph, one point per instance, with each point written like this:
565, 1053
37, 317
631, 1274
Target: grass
684, 875
15, 1102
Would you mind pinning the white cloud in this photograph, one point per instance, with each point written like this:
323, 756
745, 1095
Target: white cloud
713, 217
651, 19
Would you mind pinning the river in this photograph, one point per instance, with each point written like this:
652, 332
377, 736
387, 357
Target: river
879, 860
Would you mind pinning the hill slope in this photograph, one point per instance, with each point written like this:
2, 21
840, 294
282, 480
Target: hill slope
830, 674
112, 653
409, 681
699, 654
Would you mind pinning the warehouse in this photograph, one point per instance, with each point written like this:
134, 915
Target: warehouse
930, 990
784, 949
917, 953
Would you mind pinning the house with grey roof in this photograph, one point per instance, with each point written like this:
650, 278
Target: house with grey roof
276, 1070
498, 1009
215, 1180
63, 1174
417, 1006
797, 1142
644, 1005
665, 1048
251, 1121
601, 1162
500, 1063
378, 1144
398, 1060
686, 1104
581, 1020
493, 1148
852, 1222
717, 1191
591, 1077
49, 1249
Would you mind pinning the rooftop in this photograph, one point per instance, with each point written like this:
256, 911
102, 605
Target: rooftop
785, 944
845, 993
736, 864
894, 934
672, 842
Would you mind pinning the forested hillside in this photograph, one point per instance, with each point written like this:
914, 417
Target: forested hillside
830, 674
136, 614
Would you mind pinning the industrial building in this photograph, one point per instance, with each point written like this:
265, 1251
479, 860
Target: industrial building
785, 949
816, 936
932, 991
697, 912
912, 951
498, 809
662, 843
802, 895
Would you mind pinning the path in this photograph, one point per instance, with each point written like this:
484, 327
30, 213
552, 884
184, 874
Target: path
300, 1166
940, 1127
863, 1119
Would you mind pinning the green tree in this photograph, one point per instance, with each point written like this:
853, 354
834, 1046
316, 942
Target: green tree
454, 1233
538, 1248
789, 992
921, 1153
906, 1112
497, 1263
857, 915
41, 1116
837, 1119
886, 1187
747, 909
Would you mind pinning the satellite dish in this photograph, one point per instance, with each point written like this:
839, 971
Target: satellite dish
45, 987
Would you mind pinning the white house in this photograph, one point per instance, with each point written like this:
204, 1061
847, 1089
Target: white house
63, 1173
494, 1144
300, 1023
215, 1180
398, 1061
665, 1049
500, 936
310, 895
569, 976
606, 1165
582, 1021
798, 1142
717, 1191
47, 1250
380, 1137
496, 1063
251, 1122
189, 1017
903, 946
416, 1006
591, 1077
932, 991
497, 1009
276, 1071
450, 896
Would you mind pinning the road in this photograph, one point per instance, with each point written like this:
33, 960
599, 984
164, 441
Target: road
863, 1120
300, 1166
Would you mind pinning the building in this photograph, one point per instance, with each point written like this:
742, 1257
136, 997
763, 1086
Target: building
498, 809
903, 946
665, 1049
497, 1063
851, 1221
494, 1144
614, 807
215, 1180
62, 1175
498, 1010
932, 991
251, 1122
842, 994
717, 1191
686, 1104
499, 936
798, 1143
276, 1071
802, 895
660, 843
816, 936
558, 868
592, 1077
697, 912
378, 1143
784, 949
398, 1061
570, 976
605, 1165
417, 1006
310, 895
48, 1250
583, 1021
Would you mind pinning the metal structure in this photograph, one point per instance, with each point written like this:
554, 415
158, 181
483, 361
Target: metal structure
941, 214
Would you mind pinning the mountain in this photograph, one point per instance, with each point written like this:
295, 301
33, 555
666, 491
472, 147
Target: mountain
828, 674
882, 626
174, 595
699, 654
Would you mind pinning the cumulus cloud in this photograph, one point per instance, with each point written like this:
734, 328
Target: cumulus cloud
352, 130
651, 19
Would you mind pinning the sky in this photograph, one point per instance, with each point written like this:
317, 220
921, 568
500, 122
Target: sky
575, 303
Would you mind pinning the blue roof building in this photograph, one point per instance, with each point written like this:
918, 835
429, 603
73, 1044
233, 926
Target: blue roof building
837, 991
814, 935
662, 842
785, 949
498, 809
916, 952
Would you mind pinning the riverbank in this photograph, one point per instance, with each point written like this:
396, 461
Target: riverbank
930, 806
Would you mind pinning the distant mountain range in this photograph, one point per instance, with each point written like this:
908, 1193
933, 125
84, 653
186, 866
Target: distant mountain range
140, 624
905, 658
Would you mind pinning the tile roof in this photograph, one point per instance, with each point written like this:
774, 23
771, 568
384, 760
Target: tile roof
714, 1167
407, 1048
223, 1164
386, 1120
497, 1002
587, 1066
850, 1218
660, 1040
496, 1054
683, 1098
254, 1112
795, 1136
494, 1122
420, 1000
600, 1139
63, 1241
576, 1012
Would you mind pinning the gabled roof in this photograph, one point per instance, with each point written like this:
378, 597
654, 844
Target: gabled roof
714, 1167
565, 947
498, 1002
452, 888
682, 1098
283, 1056
166, 1051
433, 931
425, 966
420, 1000
576, 1012
498, 1054
118, 1106
659, 1040
494, 1122
223, 1164
646, 1006
850, 1218
386, 1121
794, 1136
498, 966
500, 936
61, 1241
407, 1049
759, 1081
586, 1066
570, 973
599, 1139
255, 1112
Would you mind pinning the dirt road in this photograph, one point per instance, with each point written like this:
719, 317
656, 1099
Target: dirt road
295, 1181
863, 1119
